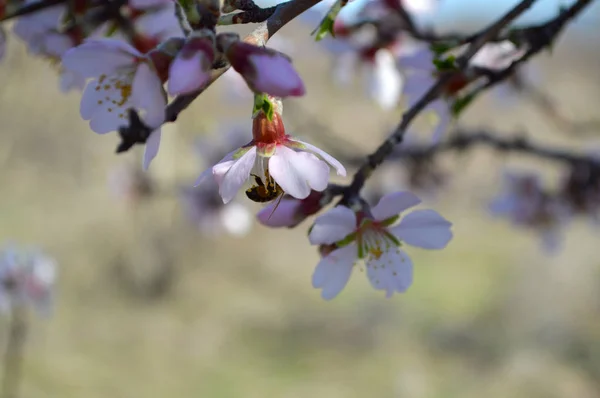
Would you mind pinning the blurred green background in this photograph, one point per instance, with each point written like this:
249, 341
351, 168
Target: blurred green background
148, 307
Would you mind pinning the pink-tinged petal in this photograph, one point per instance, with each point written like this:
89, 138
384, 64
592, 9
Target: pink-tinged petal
147, 93
105, 122
89, 100
97, 57
333, 226
314, 170
276, 76
283, 168
333, 271
187, 74
151, 150
392, 271
236, 176
339, 168
286, 214
424, 228
219, 170
141, 4
70, 80
57, 44
393, 204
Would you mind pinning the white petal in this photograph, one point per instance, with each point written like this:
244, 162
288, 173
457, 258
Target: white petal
393, 204
333, 226
314, 170
152, 145
339, 168
384, 81
105, 122
218, 171
237, 175
283, 169
97, 57
424, 228
392, 271
333, 271
147, 93
89, 100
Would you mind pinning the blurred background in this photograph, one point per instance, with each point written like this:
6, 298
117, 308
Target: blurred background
149, 306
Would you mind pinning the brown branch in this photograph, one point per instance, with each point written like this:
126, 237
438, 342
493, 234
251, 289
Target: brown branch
385, 149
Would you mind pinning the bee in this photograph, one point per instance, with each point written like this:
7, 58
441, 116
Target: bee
263, 193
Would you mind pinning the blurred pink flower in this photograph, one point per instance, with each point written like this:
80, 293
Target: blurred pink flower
190, 70
27, 278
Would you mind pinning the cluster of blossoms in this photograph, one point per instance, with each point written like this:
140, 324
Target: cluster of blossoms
27, 279
130, 57
527, 203
396, 64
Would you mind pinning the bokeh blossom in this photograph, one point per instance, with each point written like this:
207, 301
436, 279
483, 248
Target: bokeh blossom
27, 278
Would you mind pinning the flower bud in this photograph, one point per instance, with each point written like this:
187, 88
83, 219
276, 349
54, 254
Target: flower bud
264, 70
190, 71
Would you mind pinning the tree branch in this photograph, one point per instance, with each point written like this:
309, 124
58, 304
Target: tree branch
376, 158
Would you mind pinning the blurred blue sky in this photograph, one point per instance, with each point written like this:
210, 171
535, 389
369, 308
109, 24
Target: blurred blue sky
453, 14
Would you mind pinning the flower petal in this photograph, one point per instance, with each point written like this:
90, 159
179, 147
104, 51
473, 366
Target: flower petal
285, 215
236, 176
101, 56
90, 100
393, 204
275, 75
392, 271
218, 170
333, 271
187, 74
424, 228
106, 122
384, 80
282, 167
339, 168
333, 226
147, 93
152, 145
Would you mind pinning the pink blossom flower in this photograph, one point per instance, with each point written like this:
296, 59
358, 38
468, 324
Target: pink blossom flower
291, 163
374, 236
123, 78
264, 70
158, 19
524, 202
190, 70
27, 277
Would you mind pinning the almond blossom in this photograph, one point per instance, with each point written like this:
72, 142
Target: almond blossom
27, 277
372, 235
202, 205
122, 78
40, 31
298, 167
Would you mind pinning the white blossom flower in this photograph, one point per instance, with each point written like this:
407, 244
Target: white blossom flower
122, 78
293, 164
374, 236
27, 277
